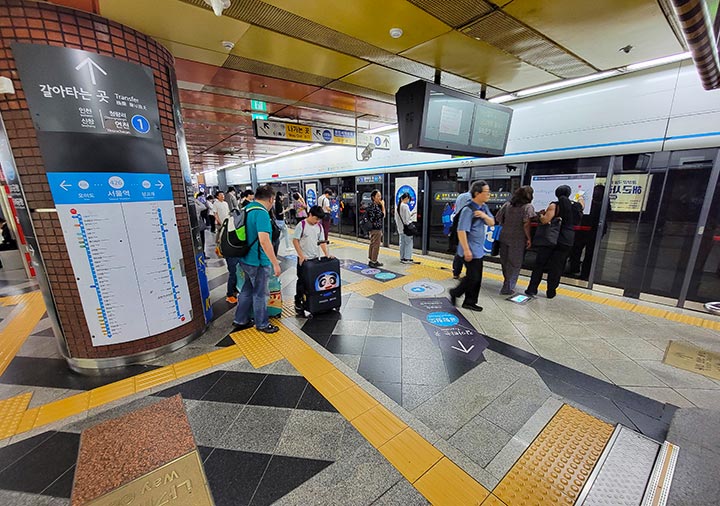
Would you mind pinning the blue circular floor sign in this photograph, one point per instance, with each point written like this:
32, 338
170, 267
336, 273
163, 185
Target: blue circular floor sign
140, 123
443, 319
385, 275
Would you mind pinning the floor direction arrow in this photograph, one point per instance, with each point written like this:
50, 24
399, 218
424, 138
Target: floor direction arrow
65, 186
89, 63
462, 347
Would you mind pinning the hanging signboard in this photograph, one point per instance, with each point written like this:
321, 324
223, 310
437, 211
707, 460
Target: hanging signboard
98, 128
336, 135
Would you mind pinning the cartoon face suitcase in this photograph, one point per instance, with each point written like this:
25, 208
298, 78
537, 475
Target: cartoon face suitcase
321, 277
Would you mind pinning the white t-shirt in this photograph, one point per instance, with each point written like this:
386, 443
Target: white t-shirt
221, 210
324, 202
309, 239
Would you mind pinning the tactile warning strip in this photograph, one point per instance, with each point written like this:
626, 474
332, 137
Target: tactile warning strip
625, 473
256, 348
367, 287
21, 322
554, 469
11, 413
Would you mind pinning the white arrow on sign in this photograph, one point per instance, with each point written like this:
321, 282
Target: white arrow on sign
90, 64
318, 134
463, 348
65, 186
159, 184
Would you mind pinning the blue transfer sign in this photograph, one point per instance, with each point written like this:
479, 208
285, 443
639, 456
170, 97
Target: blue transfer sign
443, 319
140, 123
327, 135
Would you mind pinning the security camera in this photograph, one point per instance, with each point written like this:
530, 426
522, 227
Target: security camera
218, 5
367, 152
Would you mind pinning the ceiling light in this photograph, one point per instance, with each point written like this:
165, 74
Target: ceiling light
396, 33
386, 128
566, 83
656, 62
228, 45
502, 98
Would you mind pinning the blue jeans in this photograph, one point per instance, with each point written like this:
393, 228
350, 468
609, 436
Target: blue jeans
253, 296
406, 247
232, 278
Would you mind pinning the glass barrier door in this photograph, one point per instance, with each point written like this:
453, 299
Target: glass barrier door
364, 187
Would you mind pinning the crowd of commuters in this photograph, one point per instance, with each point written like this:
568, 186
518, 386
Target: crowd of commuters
266, 212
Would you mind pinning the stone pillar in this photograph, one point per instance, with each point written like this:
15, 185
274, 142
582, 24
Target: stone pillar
50, 25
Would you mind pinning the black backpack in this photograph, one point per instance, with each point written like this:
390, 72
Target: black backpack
233, 234
453, 236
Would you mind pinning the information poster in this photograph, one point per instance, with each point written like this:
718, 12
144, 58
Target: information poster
409, 185
122, 238
628, 192
311, 195
98, 127
581, 185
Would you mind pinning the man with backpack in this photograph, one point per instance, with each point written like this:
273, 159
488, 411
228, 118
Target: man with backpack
461, 201
256, 264
309, 243
471, 238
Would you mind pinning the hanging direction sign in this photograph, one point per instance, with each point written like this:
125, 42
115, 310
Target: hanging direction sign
321, 135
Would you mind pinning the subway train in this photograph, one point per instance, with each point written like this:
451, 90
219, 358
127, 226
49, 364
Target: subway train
654, 232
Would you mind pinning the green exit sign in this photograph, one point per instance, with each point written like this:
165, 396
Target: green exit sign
258, 105
257, 115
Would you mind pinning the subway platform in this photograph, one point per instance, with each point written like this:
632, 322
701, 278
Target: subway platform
563, 401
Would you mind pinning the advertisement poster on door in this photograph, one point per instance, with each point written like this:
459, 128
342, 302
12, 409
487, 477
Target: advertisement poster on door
409, 185
311, 194
581, 185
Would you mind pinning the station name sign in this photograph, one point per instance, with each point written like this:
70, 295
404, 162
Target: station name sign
321, 135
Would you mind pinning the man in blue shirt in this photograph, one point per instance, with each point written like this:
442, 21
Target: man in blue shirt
471, 236
256, 265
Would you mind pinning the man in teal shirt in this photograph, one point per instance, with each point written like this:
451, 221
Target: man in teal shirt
256, 265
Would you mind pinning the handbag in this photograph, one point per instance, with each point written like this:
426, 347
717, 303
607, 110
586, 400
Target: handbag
548, 234
408, 228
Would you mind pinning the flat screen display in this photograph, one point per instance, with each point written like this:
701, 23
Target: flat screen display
519, 298
435, 119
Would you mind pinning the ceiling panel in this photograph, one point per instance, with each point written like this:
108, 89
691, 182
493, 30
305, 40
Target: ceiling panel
193, 53
370, 20
595, 31
175, 21
277, 49
379, 78
478, 61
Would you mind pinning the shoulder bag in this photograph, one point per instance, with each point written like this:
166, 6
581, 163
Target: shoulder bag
547, 235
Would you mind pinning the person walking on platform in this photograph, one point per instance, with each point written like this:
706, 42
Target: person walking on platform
256, 265
210, 218
279, 212
553, 258
247, 197
309, 244
221, 210
471, 236
299, 206
376, 216
324, 203
231, 198
514, 216
460, 202
403, 217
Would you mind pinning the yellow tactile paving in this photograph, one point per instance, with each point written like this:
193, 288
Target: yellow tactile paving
155, 377
557, 464
256, 348
112, 392
445, 484
410, 454
28, 420
331, 383
23, 320
366, 288
11, 413
352, 402
191, 366
378, 425
493, 501
63, 408
310, 364
224, 355
652, 311
424, 271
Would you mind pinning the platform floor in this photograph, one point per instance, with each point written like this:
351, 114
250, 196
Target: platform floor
276, 432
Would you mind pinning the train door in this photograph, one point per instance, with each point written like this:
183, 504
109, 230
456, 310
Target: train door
364, 185
348, 208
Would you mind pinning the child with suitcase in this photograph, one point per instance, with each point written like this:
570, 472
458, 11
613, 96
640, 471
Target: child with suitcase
310, 244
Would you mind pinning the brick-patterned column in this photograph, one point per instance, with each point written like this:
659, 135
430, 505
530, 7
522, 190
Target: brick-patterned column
41, 23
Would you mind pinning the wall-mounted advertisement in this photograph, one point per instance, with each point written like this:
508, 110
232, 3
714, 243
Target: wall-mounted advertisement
311, 195
581, 185
628, 192
407, 185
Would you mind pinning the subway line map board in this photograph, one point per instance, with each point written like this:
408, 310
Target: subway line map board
122, 238
98, 127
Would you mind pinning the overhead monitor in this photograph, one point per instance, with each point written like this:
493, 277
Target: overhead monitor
435, 119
